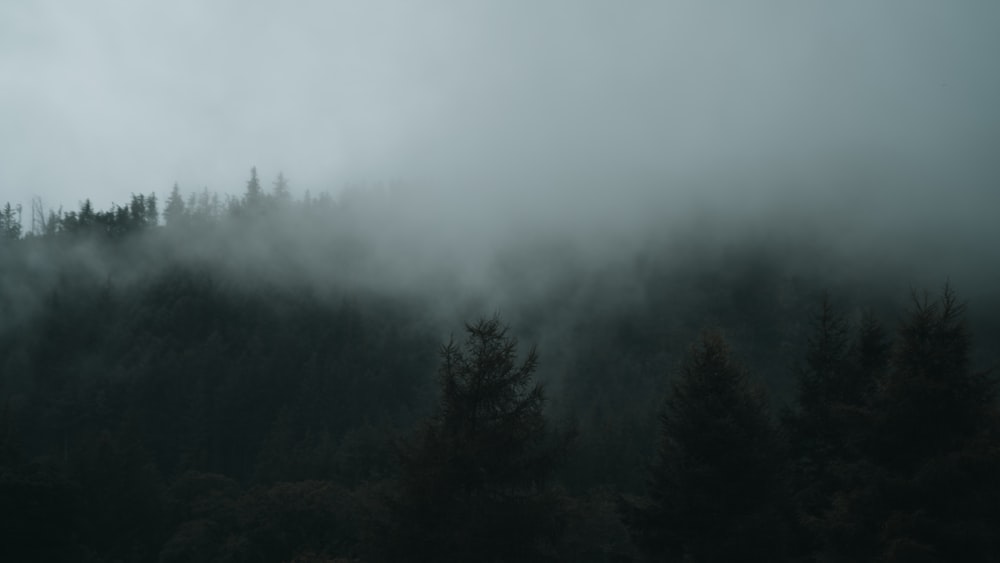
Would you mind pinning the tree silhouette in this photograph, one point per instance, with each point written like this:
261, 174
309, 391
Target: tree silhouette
10, 222
932, 399
473, 486
828, 430
937, 441
254, 196
912, 476
280, 192
173, 214
716, 487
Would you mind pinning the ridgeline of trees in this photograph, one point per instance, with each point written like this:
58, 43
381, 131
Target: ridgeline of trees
181, 386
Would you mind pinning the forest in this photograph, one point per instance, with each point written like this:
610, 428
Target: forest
269, 378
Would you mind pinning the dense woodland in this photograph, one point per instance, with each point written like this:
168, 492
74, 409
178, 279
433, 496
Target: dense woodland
265, 378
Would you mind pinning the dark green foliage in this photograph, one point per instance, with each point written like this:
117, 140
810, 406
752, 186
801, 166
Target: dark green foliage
215, 521
823, 380
198, 392
899, 462
254, 192
932, 399
827, 431
119, 512
10, 222
935, 436
140, 214
38, 505
474, 483
870, 355
716, 490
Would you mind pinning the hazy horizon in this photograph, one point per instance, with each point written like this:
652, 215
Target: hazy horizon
605, 103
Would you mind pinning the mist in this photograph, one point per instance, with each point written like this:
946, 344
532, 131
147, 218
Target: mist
266, 251
569, 112
465, 146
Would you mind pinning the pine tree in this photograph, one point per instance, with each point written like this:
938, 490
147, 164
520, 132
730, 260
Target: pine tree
474, 485
869, 357
254, 196
205, 210
828, 430
716, 489
174, 212
87, 215
927, 489
826, 358
10, 222
152, 217
281, 193
932, 399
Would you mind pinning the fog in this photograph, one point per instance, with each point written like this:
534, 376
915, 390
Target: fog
254, 374
872, 126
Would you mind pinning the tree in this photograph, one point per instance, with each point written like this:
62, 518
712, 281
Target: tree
53, 223
924, 485
87, 215
474, 485
828, 430
255, 194
715, 490
869, 355
10, 222
826, 358
932, 399
207, 204
175, 209
281, 193
152, 211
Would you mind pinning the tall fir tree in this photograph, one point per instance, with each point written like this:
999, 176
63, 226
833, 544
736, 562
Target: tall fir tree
254, 196
474, 486
281, 193
10, 222
174, 212
937, 441
716, 491
924, 487
828, 429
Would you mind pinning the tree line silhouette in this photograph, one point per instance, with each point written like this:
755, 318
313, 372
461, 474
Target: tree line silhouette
164, 409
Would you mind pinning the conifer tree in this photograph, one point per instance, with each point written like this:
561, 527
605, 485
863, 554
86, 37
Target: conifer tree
474, 485
152, 217
826, 358
932, 398
869, 357
255, 194
927, 488
829, 427
716, 489
281, 193
10, 222
173, 213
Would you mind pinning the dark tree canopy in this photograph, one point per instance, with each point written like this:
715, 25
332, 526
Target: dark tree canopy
716, 487
475, 481
232, 385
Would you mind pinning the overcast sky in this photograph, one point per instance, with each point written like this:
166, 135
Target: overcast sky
835, 100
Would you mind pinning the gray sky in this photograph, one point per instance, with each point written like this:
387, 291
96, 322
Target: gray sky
607, 102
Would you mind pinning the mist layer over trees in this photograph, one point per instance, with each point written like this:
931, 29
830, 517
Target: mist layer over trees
189, 377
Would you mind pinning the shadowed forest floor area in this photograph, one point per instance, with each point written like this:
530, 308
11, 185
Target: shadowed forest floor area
268, 379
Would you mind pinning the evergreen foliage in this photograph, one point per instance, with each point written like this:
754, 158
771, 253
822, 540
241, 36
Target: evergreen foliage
716, 490
198, 391
475, 481
10, 222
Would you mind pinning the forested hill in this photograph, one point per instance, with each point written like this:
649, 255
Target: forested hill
265, 378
